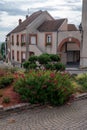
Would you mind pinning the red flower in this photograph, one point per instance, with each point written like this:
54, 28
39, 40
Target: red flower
52, 75
22, 76
16, 76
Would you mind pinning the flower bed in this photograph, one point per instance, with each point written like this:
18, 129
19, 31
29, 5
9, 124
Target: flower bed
45, 87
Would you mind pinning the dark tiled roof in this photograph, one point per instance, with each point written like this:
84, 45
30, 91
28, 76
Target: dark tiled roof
26, 22
50, 25
72, 27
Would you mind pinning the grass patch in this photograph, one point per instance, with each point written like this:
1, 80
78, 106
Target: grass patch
81, 79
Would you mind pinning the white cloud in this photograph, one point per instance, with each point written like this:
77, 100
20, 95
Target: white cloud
8, 20
12, 10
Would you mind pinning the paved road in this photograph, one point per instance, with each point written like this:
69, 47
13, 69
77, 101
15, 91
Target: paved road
68, 117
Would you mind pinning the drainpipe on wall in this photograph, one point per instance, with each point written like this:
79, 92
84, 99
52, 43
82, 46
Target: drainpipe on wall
57, 43
27, 45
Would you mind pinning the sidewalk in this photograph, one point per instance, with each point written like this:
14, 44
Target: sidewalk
76, 70
67, 117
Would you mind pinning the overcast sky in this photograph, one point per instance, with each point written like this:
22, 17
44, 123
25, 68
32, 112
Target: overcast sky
12, 10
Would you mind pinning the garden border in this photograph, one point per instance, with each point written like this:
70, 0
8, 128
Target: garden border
25, 106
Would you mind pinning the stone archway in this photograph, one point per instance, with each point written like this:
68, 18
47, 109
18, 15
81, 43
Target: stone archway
69, 50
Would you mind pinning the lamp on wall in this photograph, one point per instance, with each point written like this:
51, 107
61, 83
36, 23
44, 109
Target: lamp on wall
80, 28
81, 31
70, 39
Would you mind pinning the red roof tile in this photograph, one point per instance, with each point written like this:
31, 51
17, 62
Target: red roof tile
26, 22
50, 25
72, 27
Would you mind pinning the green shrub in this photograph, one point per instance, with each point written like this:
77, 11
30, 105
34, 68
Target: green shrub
44, 61
82, 80
54, 57
26, 64
59, 66
45, 87
33, 59
49, 66
33, 66
6, 100
5, 81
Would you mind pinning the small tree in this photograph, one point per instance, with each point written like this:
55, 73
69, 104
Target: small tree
33, 59
44, 61
2, 50
54, 57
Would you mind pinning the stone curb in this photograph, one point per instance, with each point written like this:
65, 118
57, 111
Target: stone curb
25, 106
17, 108
81, 97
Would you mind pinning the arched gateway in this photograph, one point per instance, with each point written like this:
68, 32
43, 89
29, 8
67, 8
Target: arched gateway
69, 50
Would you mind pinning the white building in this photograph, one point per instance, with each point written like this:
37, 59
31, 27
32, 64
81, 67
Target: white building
41, 33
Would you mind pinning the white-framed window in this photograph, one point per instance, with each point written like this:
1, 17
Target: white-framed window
23, 56
23, 38
48, 38
33, 39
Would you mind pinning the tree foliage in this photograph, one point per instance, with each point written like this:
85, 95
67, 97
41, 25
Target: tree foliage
2, 49
44, 61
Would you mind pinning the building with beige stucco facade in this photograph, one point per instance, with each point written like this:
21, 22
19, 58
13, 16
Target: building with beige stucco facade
41, 33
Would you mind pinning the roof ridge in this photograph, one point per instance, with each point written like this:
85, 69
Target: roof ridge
35, 13
26, 22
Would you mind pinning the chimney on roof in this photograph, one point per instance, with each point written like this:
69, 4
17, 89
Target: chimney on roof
20, 21
26, 16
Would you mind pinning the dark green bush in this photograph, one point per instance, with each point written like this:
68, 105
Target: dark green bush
33, 59
49, 66
44, 59
45, 87
59, 66
5, 81
33, 66
26, 64
54, 57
